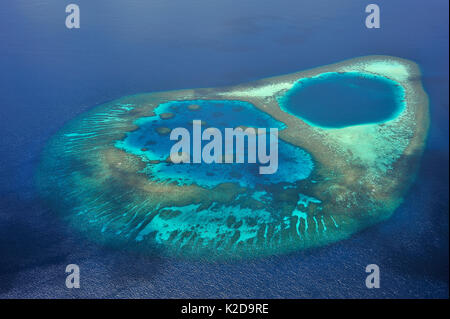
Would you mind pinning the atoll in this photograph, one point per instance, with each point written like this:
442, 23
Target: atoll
107, 171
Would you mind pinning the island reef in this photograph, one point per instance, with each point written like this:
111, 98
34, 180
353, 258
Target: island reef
107, 171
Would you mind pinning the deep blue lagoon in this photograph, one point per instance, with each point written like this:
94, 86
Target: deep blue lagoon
343, 99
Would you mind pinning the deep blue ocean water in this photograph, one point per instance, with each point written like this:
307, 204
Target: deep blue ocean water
49, 74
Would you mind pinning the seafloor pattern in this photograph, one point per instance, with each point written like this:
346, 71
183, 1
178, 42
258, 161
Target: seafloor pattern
108, 172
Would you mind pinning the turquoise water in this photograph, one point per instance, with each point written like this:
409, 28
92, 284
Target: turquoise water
338, 100
293, 162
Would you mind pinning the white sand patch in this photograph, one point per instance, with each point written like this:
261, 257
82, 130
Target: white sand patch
262, 91
392, 69
375, 146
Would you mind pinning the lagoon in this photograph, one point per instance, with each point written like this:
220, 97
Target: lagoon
337, 100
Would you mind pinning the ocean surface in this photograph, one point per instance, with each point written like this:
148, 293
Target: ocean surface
50, 74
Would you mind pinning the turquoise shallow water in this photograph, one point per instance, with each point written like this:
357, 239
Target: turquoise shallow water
338, 100
232, 211
294, 163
